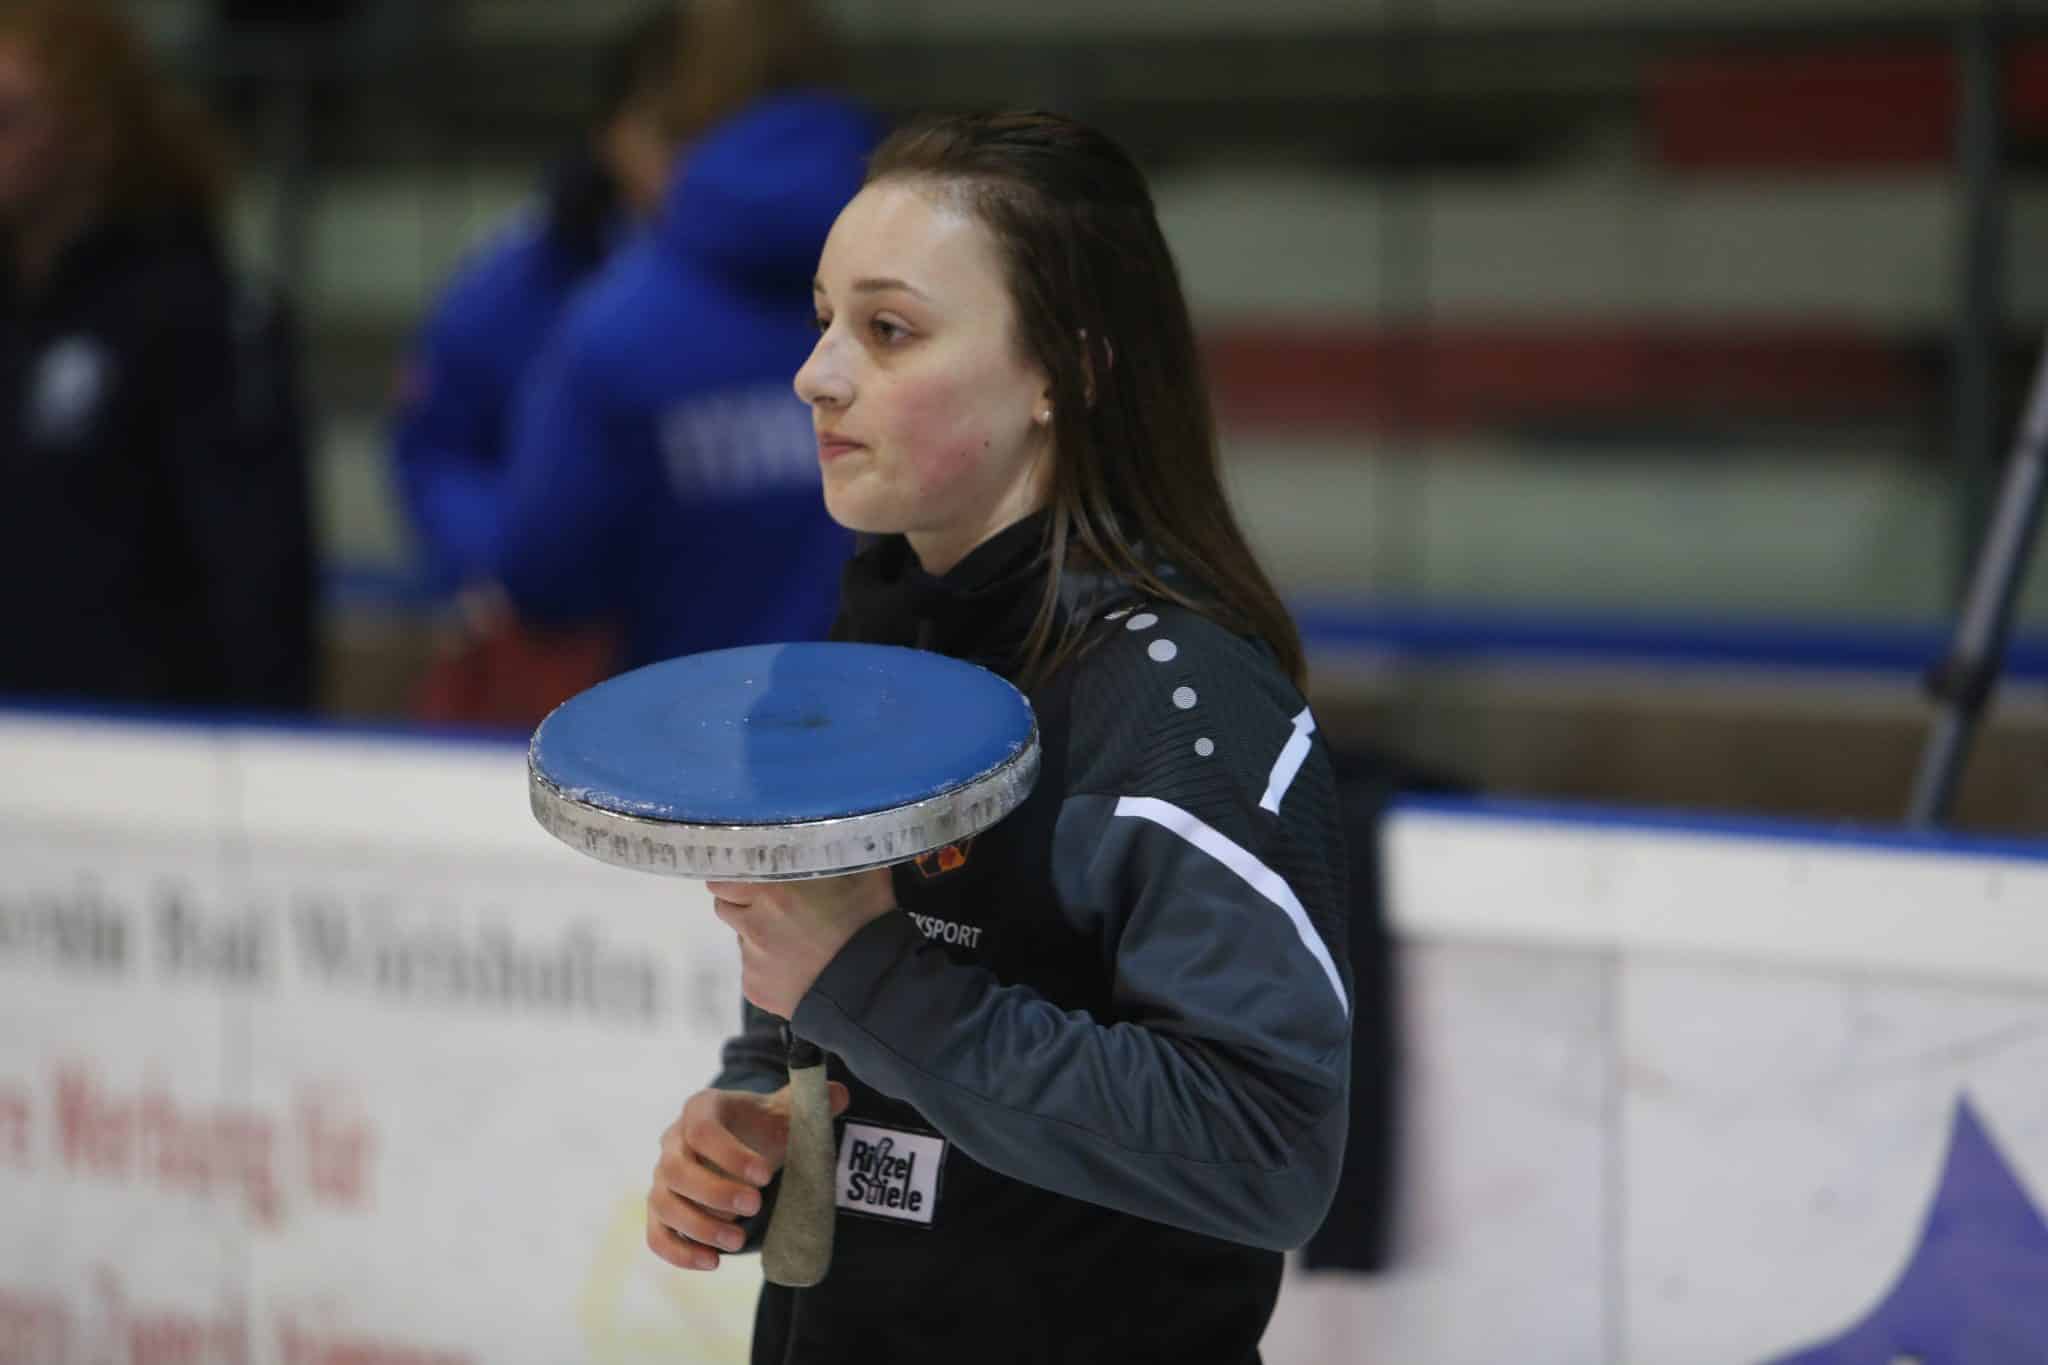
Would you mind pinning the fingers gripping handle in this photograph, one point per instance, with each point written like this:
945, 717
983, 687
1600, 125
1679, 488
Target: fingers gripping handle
798, 1248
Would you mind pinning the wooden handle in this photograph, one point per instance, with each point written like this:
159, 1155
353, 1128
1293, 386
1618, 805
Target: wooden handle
798, 1248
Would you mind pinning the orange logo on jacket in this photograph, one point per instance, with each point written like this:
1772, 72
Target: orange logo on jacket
940, 861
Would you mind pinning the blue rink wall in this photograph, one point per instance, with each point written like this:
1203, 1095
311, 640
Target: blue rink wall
313, 1043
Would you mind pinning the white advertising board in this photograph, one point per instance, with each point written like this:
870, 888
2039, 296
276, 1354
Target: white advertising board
314, 1050
338, 1078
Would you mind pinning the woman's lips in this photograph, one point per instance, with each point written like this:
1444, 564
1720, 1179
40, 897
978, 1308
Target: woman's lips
832, 447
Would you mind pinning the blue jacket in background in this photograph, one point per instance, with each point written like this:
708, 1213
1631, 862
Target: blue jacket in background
452, 425
664, 474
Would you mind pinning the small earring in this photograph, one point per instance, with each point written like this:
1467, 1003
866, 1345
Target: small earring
1044, 415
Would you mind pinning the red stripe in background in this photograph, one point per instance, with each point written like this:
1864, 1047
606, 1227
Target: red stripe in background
1363, 378
1890, 107
1893, 106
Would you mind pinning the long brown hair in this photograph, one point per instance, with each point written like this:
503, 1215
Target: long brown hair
1136, 482
165, 156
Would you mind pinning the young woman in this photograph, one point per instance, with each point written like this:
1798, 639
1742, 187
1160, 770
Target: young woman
1092, 1066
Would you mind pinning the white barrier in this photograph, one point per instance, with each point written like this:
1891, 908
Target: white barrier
1680, 1090
316, 1049
313, 1049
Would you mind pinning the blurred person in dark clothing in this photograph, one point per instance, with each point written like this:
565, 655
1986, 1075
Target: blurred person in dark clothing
154, 531
663, 475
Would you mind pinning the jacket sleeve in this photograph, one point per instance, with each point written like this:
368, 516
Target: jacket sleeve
1212, 1095
757, 1057
447, 442
231, 423
572, 485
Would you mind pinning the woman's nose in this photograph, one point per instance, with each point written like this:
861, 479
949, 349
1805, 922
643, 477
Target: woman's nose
822, 381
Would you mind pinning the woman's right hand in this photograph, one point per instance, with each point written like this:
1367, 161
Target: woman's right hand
715, 1160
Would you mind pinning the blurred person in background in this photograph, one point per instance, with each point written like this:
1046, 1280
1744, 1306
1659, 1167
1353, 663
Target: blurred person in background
663, 475
155, 544
451, 428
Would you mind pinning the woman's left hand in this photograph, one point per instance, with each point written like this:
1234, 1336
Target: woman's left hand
789, 931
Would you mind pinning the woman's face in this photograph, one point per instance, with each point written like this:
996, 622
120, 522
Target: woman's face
929, 420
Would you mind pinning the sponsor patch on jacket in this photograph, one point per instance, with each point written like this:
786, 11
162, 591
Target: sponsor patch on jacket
890, 1173
940, 861
947, 931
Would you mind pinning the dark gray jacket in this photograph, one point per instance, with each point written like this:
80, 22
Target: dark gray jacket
1099, 1060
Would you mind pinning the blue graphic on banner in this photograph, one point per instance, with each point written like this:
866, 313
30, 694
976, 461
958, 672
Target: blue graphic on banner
1976, 1290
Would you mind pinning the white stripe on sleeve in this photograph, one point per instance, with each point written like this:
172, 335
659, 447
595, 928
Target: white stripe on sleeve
1288, 765
1254, 873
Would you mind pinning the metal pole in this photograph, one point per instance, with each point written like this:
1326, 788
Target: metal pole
1965, 680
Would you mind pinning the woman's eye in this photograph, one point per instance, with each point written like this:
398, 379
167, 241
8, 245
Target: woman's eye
886, 331
823, 322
